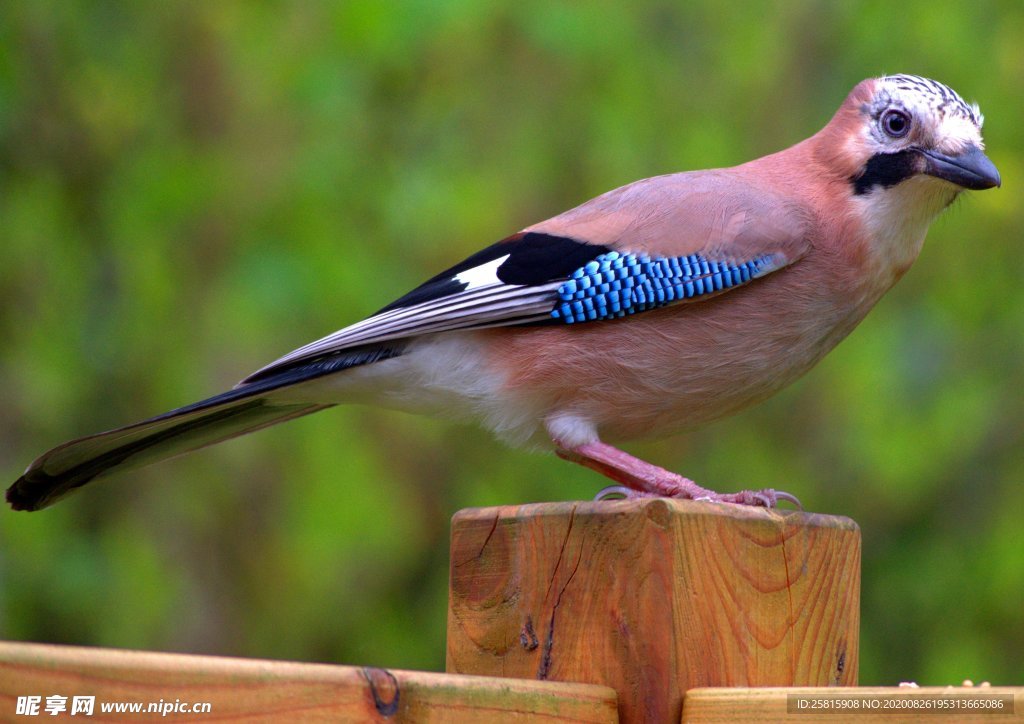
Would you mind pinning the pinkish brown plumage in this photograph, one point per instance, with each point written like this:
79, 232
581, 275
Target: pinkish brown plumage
654, 308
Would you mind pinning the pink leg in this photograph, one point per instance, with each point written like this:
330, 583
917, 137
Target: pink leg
642, 479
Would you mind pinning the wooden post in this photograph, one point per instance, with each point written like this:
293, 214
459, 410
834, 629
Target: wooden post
654, 597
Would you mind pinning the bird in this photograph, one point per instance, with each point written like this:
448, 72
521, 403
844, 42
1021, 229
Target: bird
653, 309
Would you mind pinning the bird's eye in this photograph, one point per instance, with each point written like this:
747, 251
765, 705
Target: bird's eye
896, 124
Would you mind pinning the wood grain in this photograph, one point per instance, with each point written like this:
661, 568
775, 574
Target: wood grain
654, 597
281, 691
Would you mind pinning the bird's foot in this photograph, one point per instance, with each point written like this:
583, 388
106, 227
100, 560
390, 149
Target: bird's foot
640, 479
766, 498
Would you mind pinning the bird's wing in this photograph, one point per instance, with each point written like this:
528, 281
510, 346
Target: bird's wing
658, 241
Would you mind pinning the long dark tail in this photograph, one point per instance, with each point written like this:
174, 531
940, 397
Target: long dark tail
236, 412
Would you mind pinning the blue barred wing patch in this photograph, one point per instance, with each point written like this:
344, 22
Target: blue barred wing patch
615, 285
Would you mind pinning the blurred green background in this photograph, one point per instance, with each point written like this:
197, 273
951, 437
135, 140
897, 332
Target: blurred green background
190, 189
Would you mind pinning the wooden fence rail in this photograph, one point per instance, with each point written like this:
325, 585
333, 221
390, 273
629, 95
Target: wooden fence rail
274, 691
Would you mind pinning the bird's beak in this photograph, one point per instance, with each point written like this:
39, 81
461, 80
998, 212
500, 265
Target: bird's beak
970, 169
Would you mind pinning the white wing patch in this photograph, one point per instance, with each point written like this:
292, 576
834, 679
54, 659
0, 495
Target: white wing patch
483, 275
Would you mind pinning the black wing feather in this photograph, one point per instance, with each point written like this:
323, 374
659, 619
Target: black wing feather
533, 258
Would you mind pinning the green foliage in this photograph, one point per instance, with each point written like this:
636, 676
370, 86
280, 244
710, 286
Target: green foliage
189, 189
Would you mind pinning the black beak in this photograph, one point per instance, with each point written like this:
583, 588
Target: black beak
970, 169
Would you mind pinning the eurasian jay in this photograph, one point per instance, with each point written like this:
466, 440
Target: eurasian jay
654, 308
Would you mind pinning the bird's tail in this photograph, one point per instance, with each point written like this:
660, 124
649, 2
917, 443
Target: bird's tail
244, 409
73, 464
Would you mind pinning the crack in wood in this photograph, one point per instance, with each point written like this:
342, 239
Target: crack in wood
483, 547
561, 551
549, 640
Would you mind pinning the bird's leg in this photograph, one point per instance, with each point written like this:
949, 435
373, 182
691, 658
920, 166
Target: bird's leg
641, 479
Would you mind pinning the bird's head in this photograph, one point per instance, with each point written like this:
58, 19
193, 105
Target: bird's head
905, 127
905, 146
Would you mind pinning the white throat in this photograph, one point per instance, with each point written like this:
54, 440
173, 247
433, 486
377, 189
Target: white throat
897, 219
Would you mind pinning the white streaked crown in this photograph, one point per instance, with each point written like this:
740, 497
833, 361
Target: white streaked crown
945, 120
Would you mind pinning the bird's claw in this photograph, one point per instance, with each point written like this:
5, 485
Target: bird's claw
789, 498
622, 492
763, 500
766, 498
614, 492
